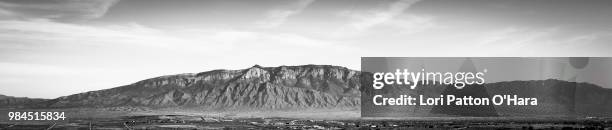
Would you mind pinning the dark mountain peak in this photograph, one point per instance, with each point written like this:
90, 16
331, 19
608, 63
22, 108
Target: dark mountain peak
257, 66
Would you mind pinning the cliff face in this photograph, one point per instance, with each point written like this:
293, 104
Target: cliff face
285, 87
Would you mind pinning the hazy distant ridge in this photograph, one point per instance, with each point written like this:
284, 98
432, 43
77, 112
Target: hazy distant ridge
10, 101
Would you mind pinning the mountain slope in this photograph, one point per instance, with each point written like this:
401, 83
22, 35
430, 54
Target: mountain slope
285, 87
326, 87
9, 101
555, 98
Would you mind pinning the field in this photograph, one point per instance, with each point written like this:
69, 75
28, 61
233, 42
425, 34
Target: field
164, 119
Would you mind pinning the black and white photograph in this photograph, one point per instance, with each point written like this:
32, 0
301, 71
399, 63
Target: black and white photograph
305, 64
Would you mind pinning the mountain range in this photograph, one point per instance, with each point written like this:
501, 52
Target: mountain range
318, 87
285, 87
19, 102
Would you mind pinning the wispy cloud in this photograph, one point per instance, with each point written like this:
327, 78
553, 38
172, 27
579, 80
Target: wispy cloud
49, 32
5, 13
56, 9
364, 20
41, 32
550, 41
516, 37
137, 52
390, 18
277, 17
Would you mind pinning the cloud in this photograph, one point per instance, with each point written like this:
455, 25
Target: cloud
391, 19
594, 14
61, 10
70, 55
365, 20
42, 32
550, 41
5, 13
277, 17
516, 37
49, 32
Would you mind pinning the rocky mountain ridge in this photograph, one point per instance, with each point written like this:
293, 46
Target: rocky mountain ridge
284, 87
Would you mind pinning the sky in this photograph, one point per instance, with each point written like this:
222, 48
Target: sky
52, 48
